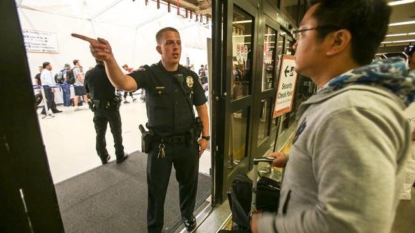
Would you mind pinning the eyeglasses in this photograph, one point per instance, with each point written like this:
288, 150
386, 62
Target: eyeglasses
296, 33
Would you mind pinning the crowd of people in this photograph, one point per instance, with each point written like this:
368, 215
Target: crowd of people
69, 80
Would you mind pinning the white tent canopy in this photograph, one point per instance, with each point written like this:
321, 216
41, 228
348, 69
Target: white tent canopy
129, 26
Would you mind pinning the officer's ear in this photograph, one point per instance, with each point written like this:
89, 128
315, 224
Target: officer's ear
158, 48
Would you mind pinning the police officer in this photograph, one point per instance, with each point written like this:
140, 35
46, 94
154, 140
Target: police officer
172, 91
105, 105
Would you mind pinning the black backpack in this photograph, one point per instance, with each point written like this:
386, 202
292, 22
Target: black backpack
59, 78
70, 77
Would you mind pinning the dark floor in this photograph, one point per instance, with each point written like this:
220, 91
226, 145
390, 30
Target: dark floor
113, 198
405, 216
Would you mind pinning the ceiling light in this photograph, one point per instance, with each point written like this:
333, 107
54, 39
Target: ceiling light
402, 23
397, 41
403, 41
242, 21
398, 34
395, 3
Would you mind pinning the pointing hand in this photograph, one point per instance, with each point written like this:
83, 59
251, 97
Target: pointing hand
100, 48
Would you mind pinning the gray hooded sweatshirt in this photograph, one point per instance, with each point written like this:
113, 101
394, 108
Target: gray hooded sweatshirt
346, 163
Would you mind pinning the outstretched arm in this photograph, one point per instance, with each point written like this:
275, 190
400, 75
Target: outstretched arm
101, 50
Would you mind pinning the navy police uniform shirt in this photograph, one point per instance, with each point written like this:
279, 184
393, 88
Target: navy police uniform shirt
98, 85
170, 96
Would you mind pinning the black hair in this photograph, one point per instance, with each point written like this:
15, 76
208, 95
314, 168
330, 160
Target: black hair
161, 31
45, 64
367, 21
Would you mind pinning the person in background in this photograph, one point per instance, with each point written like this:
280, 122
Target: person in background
202, 75
127, 71
38, 93
410, 114
48, 83
105, 104
64, 85
37, 76
171, 92
78, 85
347, 161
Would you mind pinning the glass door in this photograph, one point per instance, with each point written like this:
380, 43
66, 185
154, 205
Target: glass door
265, 91
239, 48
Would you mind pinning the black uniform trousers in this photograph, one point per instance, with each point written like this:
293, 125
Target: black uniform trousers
50, 99
185, 160
101, 119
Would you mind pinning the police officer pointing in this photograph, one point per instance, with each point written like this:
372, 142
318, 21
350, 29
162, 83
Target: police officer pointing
172, 91
105, 105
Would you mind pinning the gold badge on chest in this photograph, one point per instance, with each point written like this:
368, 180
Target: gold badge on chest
189, 81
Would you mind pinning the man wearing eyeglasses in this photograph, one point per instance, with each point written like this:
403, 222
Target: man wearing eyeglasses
346, 164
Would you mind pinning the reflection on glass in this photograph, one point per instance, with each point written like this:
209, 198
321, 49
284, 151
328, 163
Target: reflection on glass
268, 74
242, 55
280, 49
264, 117
290, 9
237, 137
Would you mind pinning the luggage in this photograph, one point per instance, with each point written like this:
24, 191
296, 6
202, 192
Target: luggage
246, 196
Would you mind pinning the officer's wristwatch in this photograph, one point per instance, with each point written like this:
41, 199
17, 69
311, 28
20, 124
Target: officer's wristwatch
207, 138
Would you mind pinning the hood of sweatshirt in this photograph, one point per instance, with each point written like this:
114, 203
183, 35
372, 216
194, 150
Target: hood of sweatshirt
392, 75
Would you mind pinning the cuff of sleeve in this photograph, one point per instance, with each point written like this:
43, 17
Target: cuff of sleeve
267, 223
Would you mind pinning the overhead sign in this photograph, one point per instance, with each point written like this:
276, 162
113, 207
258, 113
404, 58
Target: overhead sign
40, 42
286, 86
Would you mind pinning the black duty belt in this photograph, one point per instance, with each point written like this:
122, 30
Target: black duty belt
173, 139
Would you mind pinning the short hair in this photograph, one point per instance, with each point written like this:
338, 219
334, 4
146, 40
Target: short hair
202, 66
125, 65
161, 32
367, 21
45, 64
75, 62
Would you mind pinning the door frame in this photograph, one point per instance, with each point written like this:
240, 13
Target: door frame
29, 197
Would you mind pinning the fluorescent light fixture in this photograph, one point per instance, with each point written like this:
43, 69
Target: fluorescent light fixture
411, 33
400, 2
398, 41
242, 21
241, 36
397, 34
402, 23
403, 41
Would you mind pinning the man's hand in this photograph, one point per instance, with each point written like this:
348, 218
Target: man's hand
100, 48
280, 159
202, 146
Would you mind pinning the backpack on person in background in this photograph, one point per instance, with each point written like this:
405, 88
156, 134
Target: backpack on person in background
59, 77
70, 77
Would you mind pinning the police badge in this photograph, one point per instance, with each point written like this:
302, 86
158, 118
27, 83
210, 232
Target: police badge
189, 81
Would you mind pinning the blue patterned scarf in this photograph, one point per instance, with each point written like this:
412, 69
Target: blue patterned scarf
391, 74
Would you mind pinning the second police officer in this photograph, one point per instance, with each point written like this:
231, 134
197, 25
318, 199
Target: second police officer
105, 105
172, 91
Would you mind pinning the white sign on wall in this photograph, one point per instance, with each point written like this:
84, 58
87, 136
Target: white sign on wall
286, 86
40, 42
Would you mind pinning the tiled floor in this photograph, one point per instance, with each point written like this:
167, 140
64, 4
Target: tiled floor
69, 139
